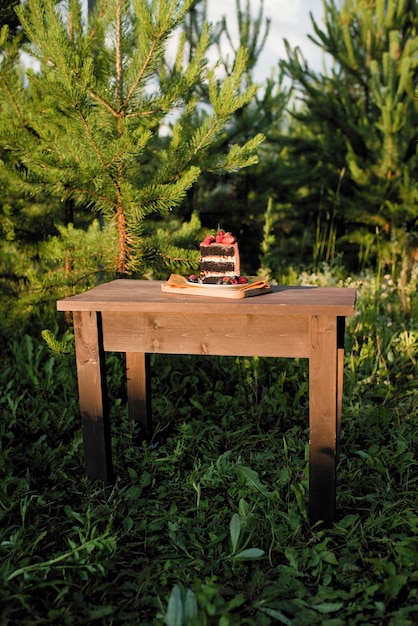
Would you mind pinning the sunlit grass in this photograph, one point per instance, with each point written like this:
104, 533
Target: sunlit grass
207, 524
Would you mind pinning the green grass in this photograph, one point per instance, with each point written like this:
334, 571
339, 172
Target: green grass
207, 524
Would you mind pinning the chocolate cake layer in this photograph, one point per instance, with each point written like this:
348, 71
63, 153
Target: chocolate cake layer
216, 250
217, 266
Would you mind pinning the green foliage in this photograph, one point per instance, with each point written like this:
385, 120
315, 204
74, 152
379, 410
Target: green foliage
86, 127
55, 267
207, 523
109, 123
353, 147
238, 199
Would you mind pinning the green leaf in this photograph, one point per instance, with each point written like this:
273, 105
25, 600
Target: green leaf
243, 509
329, 557
174, 614
328, 607
190, 606
100, 612
249, 554
291, 555
128, 523
250, 476
394, 584
234, 531
278, 615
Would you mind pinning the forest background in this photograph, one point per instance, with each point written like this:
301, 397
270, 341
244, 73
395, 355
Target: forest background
98, 182
117, 157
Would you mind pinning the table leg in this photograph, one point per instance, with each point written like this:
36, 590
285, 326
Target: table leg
323, 399
139, 389
340, 376
92, 390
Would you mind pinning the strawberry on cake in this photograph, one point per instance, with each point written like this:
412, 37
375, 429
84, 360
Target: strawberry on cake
219, 259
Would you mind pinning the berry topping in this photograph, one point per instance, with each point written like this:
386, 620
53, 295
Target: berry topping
220, 237
233, 280
208, 240
228, 239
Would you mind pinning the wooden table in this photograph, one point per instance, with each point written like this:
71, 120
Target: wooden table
135, 317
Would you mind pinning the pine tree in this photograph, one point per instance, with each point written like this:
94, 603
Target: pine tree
239, 199
356, 143
86, 126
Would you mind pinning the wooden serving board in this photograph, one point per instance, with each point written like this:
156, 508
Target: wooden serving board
178, 284
234, 294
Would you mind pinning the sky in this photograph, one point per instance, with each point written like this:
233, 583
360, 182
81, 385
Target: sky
289, 20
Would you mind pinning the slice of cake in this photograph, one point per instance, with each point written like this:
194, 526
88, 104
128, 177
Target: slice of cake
219, 258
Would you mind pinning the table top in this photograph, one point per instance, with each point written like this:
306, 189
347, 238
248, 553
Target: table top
126, 295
